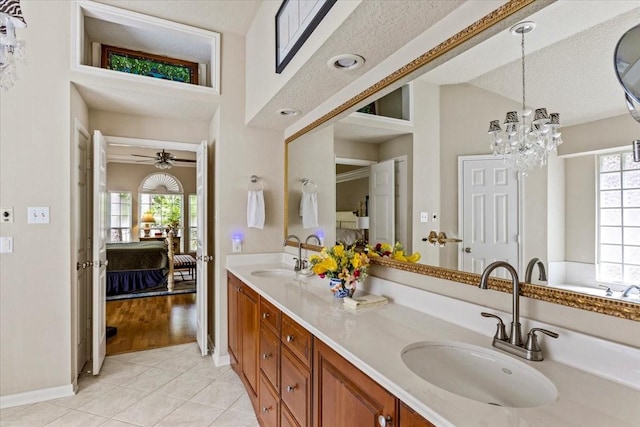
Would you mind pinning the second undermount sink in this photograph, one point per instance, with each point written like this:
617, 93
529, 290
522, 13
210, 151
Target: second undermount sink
480, 374
274, 272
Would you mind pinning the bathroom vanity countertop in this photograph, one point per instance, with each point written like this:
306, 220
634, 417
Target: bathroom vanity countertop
373, 339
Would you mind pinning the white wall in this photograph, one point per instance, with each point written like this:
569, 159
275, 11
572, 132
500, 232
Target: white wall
35, 170
239, 153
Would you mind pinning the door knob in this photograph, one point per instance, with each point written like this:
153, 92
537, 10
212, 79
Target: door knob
467, 250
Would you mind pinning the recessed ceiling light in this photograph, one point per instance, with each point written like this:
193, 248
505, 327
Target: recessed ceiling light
288, 112
346, 61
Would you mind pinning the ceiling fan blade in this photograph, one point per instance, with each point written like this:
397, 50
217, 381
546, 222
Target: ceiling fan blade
142, 155
184, 160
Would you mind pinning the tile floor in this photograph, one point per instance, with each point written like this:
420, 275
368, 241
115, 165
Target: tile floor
171, 386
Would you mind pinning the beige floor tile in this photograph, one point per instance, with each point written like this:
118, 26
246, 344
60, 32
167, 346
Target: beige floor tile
78, 419
153, 357
149, 410
221, 394
88, 389
5, 412
116, 423
235, 419
243, 404
112, 402
184, 386
34, 415
123, 357
191, 415
117, 372
152, 379
182, 361
208, 369
231, 377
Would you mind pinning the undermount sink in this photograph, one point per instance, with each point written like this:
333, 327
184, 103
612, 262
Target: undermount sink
480, 374
274, 272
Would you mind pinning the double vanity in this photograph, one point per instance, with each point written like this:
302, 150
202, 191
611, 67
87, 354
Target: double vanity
423, 359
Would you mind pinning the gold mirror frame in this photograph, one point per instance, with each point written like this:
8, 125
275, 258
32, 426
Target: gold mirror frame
596, 304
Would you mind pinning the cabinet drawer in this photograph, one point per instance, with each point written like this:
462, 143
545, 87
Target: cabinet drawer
268, 404
270, 316
286, 419
270, 356
296, 388
297, 339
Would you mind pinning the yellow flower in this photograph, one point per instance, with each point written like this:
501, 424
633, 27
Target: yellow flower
414, 257
399, 256
339, 251
356, 262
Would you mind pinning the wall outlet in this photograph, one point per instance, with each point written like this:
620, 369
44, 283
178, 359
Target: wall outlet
424, 216
236, 245
6, 215
6, 245
38, 215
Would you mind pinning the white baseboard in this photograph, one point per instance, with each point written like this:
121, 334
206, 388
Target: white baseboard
221, 359
35, 396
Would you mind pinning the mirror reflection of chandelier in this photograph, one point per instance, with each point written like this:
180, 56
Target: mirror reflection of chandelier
526, 141
12, 49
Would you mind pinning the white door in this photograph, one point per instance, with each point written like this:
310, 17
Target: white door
488, 213
402, 204
201, 253
82, 237
99, 250
382, 203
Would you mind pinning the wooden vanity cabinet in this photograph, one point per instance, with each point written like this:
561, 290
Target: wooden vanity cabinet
244, 333
410, 418
344, 395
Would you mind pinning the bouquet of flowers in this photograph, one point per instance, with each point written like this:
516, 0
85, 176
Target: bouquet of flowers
341, 263
395, 252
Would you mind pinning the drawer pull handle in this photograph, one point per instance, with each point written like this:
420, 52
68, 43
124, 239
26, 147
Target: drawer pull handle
265, 315
384, 421
290, 338
291, 388
265, 409
266, 356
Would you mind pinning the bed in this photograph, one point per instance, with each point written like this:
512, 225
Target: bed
346, 228
136, 266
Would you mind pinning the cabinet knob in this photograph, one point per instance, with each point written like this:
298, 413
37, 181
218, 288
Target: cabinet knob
266, 356
290, 388
384, 421
265, 315
265, 409
290, 338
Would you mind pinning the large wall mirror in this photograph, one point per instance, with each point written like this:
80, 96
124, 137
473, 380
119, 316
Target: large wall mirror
579, 216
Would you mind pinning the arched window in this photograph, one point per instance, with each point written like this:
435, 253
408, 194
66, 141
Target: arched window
161, 195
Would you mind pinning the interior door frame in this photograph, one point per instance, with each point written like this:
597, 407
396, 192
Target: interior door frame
521, 236
167, 145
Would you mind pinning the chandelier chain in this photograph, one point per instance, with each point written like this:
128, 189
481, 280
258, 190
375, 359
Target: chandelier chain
523, 68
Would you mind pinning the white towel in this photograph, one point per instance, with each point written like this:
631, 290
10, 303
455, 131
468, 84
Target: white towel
255, 209
309, 210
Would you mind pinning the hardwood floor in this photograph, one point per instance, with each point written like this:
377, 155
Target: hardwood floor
146, 323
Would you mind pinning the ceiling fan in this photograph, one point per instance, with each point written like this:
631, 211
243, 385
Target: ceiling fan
164, 159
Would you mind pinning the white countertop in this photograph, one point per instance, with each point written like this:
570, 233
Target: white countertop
373, 339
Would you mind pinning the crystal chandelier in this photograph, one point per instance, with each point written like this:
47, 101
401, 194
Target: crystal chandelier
525, 142
12, 49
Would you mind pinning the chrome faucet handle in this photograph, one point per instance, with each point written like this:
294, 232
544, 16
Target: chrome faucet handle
609, 291
501, 332
532, 340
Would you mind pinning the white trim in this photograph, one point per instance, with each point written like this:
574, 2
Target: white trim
151, 143
352, 175
40, 395
354, 162
220, 359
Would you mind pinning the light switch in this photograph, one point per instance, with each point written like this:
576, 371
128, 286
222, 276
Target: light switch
6, 245
424, 216
38, 215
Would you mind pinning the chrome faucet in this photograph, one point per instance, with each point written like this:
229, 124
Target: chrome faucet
529, 271
512, 343
313, 236
298, 260
629, 288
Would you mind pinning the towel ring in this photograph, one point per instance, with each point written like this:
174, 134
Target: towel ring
256, 184
308, 187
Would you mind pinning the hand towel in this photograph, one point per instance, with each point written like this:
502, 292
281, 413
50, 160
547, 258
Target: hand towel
309, 210
255, 209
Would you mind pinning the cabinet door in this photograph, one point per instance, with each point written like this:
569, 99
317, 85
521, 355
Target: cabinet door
344, 396
286, 419
295, 388
233, 290
410, 418
249, 339
270, 316
268, 404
